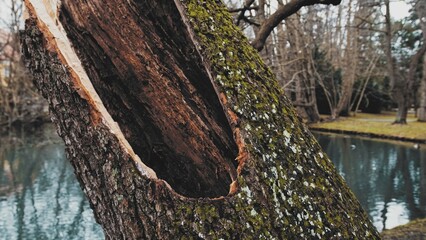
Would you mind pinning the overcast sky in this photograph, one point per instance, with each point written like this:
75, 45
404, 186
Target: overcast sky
399, 9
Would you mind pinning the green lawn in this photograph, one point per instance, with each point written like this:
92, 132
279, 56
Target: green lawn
377, 124
413, 230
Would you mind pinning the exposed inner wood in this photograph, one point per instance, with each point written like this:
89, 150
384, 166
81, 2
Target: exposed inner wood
155, 87
58, 43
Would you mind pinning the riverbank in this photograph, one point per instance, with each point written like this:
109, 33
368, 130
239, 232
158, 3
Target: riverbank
28, 116
376, 125
411, 231
380, 126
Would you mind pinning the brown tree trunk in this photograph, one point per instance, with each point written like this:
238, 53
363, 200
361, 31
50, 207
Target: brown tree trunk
177, 130
403, 90
401, 86
401, 114
421, 13
421, 111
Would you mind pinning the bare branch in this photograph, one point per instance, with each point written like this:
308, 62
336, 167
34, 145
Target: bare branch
282, 13
292, 79
246, 7
234, 10
249, 21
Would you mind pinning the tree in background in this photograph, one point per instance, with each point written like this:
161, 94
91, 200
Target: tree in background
420, 8
348, 52
188, 133
347, 36
284, 46
402, 66
19, 102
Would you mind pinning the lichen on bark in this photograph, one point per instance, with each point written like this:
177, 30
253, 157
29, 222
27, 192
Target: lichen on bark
289, 165
287, 188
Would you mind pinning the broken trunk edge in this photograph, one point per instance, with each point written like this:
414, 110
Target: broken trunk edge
58, 44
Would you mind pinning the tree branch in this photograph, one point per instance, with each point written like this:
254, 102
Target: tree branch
234, 10
247, 5
249, 21
282, 13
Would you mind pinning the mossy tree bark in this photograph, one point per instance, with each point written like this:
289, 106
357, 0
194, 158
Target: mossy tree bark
177, 130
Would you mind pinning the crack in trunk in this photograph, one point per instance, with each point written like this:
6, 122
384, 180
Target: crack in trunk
169, 113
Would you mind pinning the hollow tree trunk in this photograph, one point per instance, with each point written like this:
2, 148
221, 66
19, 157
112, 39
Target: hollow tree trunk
176, 129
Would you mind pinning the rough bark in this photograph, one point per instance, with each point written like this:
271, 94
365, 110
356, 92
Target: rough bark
183, 108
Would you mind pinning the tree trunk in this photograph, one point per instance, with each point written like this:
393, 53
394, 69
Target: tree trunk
420, 8
401, 86
401, 114
350, 64
421, 111
397, 85
177, 130
404, 92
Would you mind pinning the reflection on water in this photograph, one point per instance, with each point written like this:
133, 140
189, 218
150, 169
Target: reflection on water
388, 178
39, 195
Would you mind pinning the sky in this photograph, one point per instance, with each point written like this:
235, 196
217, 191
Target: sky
399, 9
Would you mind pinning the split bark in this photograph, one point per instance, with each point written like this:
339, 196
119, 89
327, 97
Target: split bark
177, 130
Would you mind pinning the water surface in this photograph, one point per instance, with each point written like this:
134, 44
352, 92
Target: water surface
39, 195
388, 177
41, 199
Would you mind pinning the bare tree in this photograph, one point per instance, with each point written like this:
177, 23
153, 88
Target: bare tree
283, 11
346, 47
401, 82
297, 66
420, 8
290, 66
19, 102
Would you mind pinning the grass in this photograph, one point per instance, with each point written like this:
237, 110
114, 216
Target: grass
377, 124
412, 230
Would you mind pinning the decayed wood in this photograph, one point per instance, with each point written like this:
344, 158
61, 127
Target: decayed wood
206, 144
161, 97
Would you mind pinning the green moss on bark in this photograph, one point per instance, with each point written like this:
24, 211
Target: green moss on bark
288, 184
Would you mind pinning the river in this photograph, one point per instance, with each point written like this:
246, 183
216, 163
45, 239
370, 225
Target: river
388, 177
41, 199
39, 195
